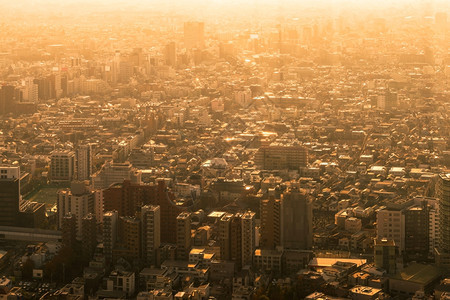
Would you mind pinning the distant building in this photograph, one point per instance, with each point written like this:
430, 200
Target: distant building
279, 156
62, 166
151, 230
111, 173
9, 195
385, 255
443, 193
183, 235
84, 162
248, 237
78, 200
194, 35
297, 220
271, 222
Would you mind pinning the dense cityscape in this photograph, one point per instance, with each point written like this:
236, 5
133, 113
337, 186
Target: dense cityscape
218, 150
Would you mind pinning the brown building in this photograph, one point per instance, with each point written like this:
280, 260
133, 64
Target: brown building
127, 198
128, 244
271, 221
69, 230
88, 235
183, 235
279, 156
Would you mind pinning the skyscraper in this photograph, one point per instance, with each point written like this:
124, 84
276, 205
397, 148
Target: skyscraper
69, 230
9, 195
443, 193
194, 35
297, 220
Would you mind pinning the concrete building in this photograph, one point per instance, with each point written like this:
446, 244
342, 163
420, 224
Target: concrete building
151, 231
248, 237
271, 222
78, 200
385, 255
110, 232
62, 166
443, 193
9, 195
297, 220
84, 162
111, 173
183, 235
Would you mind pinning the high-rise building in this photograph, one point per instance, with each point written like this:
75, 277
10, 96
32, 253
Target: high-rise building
9, 195
78, 200
84, 162
170, 54
129, 242
443, 193
69, 230
194, 35
62, 166
224, 236
385, 255
88, 235
271, 222
248, 237
110, 232
183, 235
151, 230
297, 219
127, 198
417, 231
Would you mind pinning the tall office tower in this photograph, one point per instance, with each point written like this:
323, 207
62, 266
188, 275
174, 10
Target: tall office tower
88, 235
248, 237
62, 166
84, 162
280, 155
194, 35
9, 195
151, 230
417, 232
78, 200
271, 222
69, 230
111, 173
127, 198
129, 239
170, 54
443, 193
183, 235
110, 231
297, 219
385, 255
